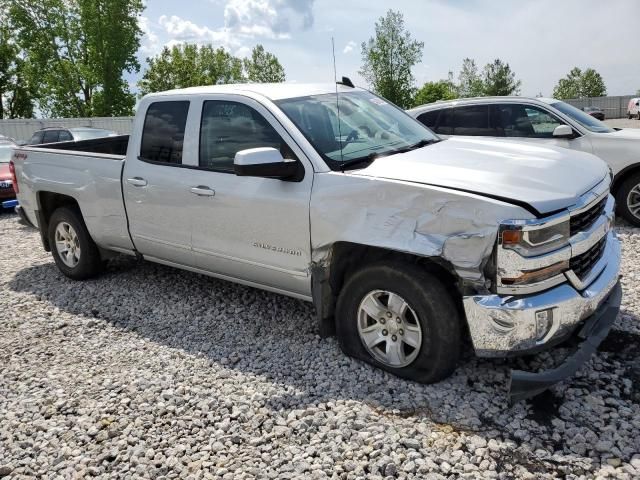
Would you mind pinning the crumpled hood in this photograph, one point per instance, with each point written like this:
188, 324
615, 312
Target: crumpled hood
545, 178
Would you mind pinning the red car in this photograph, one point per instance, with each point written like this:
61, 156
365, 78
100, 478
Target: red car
6, 184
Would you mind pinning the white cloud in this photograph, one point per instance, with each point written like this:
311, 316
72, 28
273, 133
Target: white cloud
182, 30
150, 41
273, 19
349, 47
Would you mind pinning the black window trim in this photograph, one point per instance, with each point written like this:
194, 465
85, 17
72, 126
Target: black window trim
157, 162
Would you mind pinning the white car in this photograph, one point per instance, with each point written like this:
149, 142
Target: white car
633, 110
546, 121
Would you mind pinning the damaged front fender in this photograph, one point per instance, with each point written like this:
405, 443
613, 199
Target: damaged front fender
457, 227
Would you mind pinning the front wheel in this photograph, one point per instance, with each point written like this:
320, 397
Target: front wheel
400, 318
73, 249
628, 199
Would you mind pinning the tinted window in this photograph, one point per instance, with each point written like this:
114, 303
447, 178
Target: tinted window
473, 120
525, 121
429, 118
50, 136
163, 132
228, 127
445, 122
36, 138
65, 136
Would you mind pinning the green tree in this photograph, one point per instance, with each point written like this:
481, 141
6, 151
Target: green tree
16, 95
263, 67
592, 84
499, 79
78, 51
190, 65
578, 84
433, 91
388, 58
469, 80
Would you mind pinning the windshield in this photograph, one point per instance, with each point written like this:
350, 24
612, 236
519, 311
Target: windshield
89, 134
5, 153
367, 126
587, 121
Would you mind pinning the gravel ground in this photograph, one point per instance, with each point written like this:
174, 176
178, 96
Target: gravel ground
153, 372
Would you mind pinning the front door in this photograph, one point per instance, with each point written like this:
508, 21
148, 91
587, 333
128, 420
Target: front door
251, 229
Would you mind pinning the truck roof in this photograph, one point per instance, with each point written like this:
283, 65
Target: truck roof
272, 91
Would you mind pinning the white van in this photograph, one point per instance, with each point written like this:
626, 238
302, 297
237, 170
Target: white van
633, 110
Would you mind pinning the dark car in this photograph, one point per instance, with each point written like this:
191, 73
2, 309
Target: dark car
57, 134
595, 112
6, 183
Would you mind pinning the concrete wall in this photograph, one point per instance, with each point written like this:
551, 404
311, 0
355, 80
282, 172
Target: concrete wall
22, 129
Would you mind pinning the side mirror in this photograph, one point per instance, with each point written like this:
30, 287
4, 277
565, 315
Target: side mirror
563, 131
265, 162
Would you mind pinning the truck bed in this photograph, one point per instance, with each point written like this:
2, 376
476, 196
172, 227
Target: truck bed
89, 172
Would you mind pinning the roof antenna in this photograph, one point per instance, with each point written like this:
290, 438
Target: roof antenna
335, 79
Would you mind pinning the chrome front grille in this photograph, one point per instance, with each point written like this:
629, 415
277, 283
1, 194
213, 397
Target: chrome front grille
584, 263
583, 220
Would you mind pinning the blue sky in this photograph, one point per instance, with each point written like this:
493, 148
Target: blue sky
541, 40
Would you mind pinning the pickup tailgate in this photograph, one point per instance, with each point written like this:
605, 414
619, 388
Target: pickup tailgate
48, 177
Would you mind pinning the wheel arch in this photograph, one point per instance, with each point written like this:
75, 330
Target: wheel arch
344, 258
622, 175
49, 202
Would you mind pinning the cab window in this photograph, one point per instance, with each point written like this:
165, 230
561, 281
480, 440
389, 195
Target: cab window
228, 127
163, 132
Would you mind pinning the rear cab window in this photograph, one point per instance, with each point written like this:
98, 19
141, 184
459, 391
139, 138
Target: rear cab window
163, 132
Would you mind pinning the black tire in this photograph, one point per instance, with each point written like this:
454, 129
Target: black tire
622, 196
89, 263
425, 294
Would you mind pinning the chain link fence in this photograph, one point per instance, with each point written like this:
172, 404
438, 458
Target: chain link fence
613, 107
22, 129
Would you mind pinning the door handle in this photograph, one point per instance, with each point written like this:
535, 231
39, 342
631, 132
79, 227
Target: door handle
202, 191
137, 182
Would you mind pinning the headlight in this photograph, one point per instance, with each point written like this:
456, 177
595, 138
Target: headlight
530, 241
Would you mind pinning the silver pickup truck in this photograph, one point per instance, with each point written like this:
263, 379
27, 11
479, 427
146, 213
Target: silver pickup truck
406, 244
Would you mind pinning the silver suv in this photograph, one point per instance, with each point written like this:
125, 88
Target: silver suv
545, 121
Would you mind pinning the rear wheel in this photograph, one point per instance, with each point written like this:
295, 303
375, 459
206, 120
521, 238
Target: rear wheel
400, 318
73, 249
628, 199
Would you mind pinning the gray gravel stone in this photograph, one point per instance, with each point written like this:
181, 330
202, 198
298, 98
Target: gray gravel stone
152, 372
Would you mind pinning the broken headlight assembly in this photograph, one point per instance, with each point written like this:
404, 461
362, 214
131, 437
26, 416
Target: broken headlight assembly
531, 240
528, 255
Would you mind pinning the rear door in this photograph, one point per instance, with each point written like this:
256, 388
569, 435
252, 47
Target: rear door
157, 182
250, 229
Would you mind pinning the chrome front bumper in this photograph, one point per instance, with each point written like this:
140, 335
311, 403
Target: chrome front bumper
505, 325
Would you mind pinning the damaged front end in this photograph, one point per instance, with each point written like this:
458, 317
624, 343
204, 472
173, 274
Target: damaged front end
526, 285
556, 278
